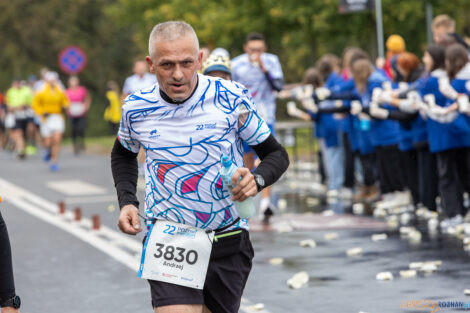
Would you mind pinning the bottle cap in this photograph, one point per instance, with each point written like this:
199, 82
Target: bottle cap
226, 161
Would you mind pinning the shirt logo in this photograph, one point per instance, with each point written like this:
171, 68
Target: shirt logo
154, 134
206, 126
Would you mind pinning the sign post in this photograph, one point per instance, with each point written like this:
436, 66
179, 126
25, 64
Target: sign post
379, 27
72, 60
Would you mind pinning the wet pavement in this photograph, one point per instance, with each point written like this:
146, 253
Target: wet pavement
56, 271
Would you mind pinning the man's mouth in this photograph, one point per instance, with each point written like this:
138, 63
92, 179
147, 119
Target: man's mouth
176, 85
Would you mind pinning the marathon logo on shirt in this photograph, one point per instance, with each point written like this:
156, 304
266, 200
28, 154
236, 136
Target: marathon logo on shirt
188, 232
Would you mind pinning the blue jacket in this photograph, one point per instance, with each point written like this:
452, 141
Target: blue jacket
455, 134
383, 132
325, 124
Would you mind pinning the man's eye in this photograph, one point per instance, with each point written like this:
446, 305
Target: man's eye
187, 62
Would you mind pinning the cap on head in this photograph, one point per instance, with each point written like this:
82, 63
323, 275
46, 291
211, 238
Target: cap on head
217, 63
395, 43
221, 52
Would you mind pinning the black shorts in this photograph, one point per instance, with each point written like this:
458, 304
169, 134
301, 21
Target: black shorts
229, 267
21, 123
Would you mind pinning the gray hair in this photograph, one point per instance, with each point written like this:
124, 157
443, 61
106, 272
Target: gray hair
169, 31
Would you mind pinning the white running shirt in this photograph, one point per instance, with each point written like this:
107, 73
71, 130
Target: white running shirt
183, 145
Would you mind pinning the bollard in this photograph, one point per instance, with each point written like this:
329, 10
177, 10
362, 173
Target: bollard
78, 214
61, 205
96, 222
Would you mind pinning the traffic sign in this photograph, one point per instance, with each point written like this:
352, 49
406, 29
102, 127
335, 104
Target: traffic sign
72, 60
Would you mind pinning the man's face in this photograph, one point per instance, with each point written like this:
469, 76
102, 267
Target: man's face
221, 74
140, 68
176, 64
439, 34
254, 47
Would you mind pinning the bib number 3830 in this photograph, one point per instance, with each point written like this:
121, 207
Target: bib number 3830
177, 254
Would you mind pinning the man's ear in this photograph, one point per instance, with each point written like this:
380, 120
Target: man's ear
199, 60
150, 63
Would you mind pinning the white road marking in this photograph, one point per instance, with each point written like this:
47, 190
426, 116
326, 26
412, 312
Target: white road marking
106, 240
97, 199
76, 187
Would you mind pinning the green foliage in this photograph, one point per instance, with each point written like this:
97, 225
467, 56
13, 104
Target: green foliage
115, 32
298, 31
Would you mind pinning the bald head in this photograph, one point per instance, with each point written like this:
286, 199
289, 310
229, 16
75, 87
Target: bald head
170, 31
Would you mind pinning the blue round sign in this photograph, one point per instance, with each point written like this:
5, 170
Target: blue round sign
72, 60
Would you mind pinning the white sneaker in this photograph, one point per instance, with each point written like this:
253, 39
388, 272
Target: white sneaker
333, 193
346, 194
452, 222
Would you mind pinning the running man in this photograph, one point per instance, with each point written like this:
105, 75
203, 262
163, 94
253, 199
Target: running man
185, 123
49, 104
139, 80
18, 99
261, 73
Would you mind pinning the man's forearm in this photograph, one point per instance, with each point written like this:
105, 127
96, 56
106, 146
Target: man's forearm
125, 173
274, 160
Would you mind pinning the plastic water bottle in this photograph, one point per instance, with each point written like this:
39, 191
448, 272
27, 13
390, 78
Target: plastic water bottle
245, 208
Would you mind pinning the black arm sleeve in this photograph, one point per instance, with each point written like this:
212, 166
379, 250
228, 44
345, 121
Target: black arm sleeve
274, 160
7, 285
125, 173
341, 109
342, 95
402, 116
275, 84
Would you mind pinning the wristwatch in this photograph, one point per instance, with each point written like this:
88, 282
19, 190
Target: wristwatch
260, 184
14, 302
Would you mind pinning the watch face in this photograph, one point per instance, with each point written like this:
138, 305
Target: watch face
16, 302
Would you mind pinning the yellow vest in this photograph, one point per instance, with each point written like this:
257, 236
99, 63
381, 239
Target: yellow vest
113, 111
50, 100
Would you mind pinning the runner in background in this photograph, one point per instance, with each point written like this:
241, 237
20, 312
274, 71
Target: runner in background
112, 113
140, 80
49, 104
260, 72
18, 99
217, 66
80, 101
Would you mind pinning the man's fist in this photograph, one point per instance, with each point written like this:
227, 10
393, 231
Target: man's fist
129, 220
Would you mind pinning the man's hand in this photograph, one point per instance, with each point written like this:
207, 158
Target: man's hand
129, 220
255, 58
244, 188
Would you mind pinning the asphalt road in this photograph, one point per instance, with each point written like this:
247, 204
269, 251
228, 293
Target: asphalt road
63, 266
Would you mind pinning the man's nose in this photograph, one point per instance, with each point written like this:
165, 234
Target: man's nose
178, 73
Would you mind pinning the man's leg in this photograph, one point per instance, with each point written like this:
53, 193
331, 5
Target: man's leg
55, 147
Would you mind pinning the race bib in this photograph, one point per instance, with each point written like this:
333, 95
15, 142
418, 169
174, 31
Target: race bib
76, 109
176, 253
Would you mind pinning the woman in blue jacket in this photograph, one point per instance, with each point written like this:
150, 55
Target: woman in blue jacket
450, 140
407, 103
383, 133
